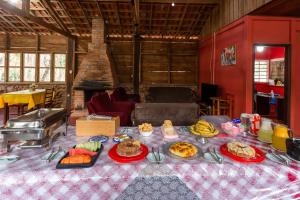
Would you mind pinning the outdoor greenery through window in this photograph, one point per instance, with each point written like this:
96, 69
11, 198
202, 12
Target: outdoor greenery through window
31, 67
2, 64
45, 64
14, 67
59, 67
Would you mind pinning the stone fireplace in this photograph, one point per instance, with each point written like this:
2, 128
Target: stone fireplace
95, 70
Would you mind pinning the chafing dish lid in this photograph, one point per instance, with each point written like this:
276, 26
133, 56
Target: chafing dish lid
37, 119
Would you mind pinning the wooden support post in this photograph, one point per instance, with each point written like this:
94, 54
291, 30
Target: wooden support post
169, 62
136, 61
69, 72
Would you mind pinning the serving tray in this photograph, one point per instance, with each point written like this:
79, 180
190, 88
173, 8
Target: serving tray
260, 156
83, 165
167, 152
124, 159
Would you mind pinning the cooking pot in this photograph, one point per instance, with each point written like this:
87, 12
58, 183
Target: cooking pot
293, 147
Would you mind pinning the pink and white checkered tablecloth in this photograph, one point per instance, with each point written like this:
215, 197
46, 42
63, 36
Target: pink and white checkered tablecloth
33, 178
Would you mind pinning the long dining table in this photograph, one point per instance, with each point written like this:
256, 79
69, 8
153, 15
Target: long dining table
33, 178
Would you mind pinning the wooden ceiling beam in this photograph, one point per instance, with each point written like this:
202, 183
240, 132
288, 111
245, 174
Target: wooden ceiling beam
150, 19
63, 6
26, 16
101, 11
10, 24
161, 1
84, 14
54, 15
136, 11
167, 20
26, 24
182, 17
192, 27
119, 19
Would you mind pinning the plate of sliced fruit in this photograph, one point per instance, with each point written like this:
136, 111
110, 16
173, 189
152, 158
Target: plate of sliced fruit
81, 156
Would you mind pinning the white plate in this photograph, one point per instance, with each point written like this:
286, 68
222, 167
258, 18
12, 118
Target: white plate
151, 157
167, 152
8, 159
146, 133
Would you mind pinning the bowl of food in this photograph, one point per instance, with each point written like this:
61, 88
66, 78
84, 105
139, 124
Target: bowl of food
145, 129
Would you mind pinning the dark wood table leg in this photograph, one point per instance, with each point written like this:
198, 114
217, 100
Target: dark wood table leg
6, 113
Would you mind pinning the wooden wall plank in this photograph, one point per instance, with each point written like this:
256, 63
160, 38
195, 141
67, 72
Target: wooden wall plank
157, 59
228, 11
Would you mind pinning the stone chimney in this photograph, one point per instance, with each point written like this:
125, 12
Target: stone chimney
95, 66
95, 70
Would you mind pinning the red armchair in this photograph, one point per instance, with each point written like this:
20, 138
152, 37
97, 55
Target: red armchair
101, 104
119, 94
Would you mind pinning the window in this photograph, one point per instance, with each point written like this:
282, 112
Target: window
29, 66
45, 67
2, 65
261, 71
14, 66
59, 67
32, 67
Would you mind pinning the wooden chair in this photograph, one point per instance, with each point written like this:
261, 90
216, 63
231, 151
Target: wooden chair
222, 106
204, 109
49, 97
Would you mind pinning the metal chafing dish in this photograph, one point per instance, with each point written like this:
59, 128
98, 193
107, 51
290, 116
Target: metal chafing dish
36, 128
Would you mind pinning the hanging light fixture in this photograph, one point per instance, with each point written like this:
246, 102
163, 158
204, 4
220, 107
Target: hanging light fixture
260, 49
173, 3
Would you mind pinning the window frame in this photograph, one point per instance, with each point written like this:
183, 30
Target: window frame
20, 67
55, 67
50, 67
258, 80
37, 67
4, 68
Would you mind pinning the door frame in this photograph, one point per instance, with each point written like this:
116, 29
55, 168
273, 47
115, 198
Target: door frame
287, 77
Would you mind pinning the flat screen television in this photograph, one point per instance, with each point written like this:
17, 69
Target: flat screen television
208, 91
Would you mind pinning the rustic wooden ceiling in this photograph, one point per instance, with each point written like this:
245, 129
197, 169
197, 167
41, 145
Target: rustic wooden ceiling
155, 18
288, 8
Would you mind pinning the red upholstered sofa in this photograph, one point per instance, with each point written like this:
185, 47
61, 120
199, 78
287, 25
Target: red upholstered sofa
101, 104
120, 94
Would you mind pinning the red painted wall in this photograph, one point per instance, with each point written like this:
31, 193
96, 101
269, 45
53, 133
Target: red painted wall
237, 79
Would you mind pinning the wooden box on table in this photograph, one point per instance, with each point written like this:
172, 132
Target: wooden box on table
86, 127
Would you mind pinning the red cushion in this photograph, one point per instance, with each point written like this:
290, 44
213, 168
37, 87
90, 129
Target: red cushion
119, 94
101, 102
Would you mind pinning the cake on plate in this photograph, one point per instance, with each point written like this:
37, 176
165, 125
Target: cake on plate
129, 147
169, 130
183, 149
240, 149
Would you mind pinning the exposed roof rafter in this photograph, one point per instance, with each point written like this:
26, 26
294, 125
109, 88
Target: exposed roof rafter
18, 12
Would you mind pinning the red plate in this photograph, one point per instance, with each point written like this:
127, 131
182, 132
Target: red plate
260, 156
123, 159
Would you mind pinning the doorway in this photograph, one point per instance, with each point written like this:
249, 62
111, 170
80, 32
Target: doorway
271, 82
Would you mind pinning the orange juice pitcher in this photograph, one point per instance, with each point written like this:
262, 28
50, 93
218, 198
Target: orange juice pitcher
281, 133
